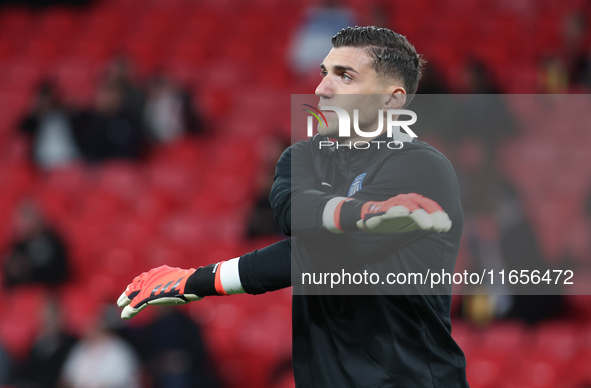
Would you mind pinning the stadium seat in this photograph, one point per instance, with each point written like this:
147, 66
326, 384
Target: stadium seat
536, 371
76, 80
507, 339
486, 370
123, 179
20, 318
465, 336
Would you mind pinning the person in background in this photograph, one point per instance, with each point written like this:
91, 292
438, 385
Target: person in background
553, 76
432, 81
173, 351
261, 221
483, 114
120, 71
38, 254
50, 130
168, 113
312, 39
101, 360
45, 361
5, 366
111, 129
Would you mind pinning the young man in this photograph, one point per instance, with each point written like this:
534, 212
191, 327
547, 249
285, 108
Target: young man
372, 208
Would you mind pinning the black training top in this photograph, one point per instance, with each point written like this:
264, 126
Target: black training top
363, 341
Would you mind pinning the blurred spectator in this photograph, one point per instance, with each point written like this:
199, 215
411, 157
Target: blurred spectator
168, 113
119, 72
173, 351
437, 112
432, 81
101, 360
553, 76
45, 361
576, 45
38, 254
478, 79
520, 249
312, 40
50, 129
483, 113
110, 130
261, 221
5, 366
499, 237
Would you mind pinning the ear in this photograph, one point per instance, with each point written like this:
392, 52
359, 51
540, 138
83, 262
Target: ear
397, 98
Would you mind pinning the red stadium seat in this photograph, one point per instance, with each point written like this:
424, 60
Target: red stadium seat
486, 370
509, 339
123, 179
18, 23
93, 46
537, 371
76, 80
178, 182
20, 318
465, 336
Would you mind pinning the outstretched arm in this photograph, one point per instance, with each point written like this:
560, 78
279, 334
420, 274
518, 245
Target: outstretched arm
256, 272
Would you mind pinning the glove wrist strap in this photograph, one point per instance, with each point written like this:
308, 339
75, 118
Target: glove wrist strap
222, 278
341, 214
204, 280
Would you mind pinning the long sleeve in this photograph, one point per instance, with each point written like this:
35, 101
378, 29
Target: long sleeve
295, 190
266, 269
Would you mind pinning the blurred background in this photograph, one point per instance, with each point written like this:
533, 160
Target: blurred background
136, 133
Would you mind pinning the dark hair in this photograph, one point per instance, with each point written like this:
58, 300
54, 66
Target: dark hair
393, 56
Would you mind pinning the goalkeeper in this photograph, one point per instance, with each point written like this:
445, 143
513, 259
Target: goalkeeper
396, 206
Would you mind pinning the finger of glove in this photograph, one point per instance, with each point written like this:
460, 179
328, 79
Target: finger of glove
394, 218
167, 301
410, 203
429, 205
130, 312
393, 225
123, 300
422, 219
400, 200
419, 217
441, 222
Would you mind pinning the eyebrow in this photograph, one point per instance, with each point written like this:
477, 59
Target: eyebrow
340, 68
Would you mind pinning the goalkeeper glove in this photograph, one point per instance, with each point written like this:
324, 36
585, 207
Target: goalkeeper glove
166, 285
402, 213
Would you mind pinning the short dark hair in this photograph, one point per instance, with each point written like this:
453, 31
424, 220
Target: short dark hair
392, 54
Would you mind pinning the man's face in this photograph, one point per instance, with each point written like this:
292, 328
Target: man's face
350, 82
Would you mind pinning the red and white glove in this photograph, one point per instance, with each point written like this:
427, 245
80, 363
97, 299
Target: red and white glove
399, 214
404, 213
166, 285
159, 286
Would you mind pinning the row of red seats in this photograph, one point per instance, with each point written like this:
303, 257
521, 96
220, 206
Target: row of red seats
192, 37
553, 354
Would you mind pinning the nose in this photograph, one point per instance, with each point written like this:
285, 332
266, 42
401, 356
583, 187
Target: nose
324, 88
